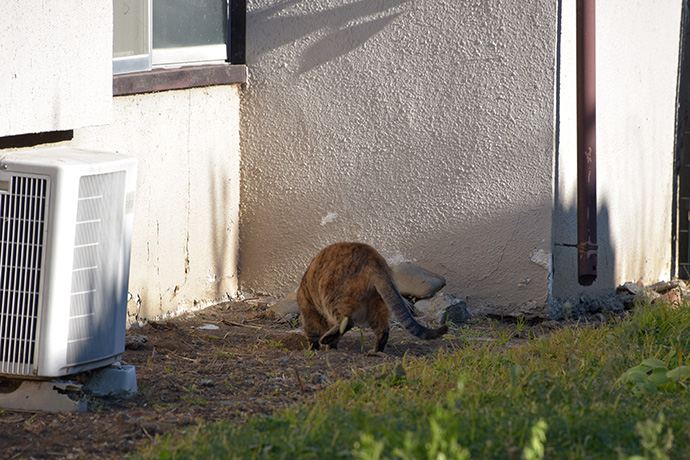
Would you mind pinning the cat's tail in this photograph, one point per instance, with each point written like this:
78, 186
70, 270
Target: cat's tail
390, 294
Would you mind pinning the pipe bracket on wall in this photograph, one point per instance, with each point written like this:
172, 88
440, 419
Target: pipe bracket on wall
586, 143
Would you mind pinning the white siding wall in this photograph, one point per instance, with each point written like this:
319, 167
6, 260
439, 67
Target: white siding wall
56, 65
56, 74
637, 68
185, 240
424, 128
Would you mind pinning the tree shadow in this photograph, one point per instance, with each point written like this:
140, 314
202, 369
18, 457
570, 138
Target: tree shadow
342, 29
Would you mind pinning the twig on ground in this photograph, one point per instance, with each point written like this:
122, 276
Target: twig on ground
232, 323
184, 357
299, 379
147, 433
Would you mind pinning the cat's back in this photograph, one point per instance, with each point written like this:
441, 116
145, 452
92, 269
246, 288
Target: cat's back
347, 259
342, 274
343, 269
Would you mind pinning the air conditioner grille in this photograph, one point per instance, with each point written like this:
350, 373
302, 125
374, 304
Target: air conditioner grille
22, 214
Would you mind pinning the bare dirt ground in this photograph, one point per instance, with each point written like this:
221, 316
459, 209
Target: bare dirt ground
227, 362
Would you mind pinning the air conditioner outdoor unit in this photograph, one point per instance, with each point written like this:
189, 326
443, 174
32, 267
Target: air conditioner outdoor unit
66, 217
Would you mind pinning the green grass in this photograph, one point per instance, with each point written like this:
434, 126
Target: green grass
565, 396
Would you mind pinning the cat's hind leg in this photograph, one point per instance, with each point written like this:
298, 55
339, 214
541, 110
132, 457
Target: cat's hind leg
379, 321
332, 336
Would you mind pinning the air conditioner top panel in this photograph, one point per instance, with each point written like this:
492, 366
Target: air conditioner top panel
61, 157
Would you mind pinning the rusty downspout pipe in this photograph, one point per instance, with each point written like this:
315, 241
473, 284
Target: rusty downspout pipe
586, 143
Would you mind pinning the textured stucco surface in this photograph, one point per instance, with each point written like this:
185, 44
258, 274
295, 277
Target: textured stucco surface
637, 65
56, 66
423, 128
184, 243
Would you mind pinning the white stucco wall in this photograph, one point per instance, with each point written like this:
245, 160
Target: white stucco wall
423, 128
184, 243
637, 68
56, 65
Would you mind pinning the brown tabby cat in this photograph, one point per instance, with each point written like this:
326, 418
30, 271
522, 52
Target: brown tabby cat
350, 284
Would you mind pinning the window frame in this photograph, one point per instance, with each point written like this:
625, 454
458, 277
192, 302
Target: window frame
188, 55
161, 58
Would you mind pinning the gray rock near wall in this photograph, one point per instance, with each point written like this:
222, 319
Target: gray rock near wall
287, 306
417, 282
441, 308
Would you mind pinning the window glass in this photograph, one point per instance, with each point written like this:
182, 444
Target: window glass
179, 23
130, 21
131, 36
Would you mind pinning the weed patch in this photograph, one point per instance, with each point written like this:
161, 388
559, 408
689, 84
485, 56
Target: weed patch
614, 391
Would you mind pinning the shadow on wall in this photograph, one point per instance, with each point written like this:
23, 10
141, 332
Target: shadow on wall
567, 293
221, 231
342, 29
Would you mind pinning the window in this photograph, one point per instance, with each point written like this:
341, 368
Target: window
159, 33
131, 35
